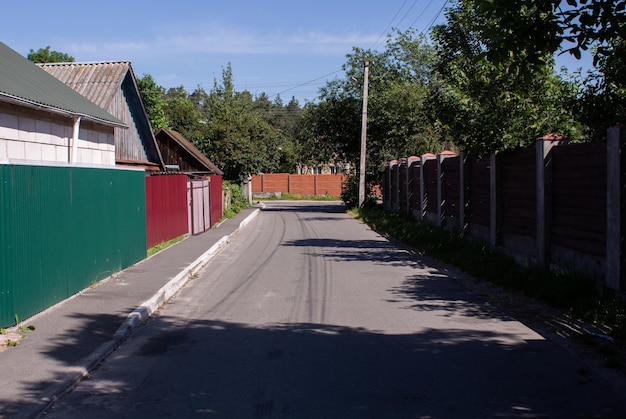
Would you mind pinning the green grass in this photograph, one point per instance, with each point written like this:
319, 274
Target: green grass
299, 197
165, 245
573, 292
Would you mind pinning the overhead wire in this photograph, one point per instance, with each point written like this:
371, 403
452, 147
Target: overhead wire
306, 83
376, 44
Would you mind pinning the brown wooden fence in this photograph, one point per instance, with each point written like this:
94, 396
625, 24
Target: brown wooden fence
556, 203
307, 185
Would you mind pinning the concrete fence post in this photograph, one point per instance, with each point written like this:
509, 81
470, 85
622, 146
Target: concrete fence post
616, 136
493, 188
543, 177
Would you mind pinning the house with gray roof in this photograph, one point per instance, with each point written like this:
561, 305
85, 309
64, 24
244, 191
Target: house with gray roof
44, 121
113, 87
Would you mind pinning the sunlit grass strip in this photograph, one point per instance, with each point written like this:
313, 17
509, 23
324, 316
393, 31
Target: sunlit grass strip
165, 245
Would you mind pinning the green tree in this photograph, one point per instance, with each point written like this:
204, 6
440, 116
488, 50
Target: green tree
397, 126
538, 28
602, 102
45, 55
235, 137
152, 96
182, 114
485, 105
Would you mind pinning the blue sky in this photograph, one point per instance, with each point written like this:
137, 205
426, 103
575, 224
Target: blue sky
274, 46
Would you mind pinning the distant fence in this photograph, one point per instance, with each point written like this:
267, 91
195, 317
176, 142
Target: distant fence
62, 229
308, 185
558, 204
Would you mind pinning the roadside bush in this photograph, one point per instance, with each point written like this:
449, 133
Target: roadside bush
237, 200
350, 193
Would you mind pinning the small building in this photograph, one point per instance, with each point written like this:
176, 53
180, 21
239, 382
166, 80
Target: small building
113, 87
180, 154
44, 121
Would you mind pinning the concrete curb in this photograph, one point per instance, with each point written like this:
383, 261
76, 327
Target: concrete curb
136, 318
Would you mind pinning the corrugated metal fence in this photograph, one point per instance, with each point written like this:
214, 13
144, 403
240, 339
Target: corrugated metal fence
63, 229
166, 208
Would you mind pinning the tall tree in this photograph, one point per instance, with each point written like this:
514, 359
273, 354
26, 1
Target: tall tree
45, 55
236, 138
489, 105
152, 98
602, 103
538, 28
397, 127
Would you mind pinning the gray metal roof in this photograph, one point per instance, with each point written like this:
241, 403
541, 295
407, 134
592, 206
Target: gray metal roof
23, 82
98, 82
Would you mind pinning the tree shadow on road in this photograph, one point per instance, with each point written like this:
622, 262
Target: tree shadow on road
224, 369
304, 370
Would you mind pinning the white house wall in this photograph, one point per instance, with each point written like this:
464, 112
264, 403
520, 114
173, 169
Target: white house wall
38, 136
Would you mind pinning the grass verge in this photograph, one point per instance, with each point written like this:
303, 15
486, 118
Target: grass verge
165, 245
298, 197
573, 292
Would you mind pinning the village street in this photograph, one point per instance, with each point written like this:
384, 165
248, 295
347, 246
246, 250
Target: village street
308, 313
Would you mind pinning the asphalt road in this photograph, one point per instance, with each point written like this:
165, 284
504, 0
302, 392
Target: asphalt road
310, 314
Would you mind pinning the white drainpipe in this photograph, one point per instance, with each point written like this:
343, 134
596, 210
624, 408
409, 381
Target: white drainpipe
74, 154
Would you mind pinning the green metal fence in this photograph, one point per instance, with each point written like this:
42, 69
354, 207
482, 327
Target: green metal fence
63, 229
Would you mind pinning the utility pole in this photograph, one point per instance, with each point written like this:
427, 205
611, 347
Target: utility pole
363, 135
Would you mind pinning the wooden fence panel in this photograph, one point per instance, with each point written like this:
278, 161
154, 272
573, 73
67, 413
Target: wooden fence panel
451, 168
431, 197
415, 187
578, 219
478, 202
517, 192
402, 173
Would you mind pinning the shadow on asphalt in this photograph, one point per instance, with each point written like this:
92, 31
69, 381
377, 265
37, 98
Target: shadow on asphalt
334, 207
223, 369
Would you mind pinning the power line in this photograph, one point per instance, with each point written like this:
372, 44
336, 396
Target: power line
301, 84
432, 22
307, 82
421, 14
375, 44
407, 13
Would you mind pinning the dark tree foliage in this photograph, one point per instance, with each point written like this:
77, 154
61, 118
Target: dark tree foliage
538, 28
242, 135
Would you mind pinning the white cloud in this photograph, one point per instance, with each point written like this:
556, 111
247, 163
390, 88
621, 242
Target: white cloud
225, 40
